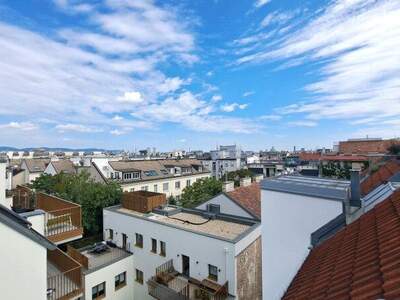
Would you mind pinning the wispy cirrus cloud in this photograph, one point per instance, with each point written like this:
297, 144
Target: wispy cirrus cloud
355, 44
107, 75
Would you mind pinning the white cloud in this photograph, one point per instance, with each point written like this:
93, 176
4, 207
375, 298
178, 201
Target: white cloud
117, 132
131, 98
260, 3
230, 107
210, 73
276, 18
271, 117
25, 126
248, 93
216, 98
77, 128
355, 44
303, 123
171, 85
117, 118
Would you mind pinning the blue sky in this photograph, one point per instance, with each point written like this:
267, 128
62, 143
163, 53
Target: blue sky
194, 74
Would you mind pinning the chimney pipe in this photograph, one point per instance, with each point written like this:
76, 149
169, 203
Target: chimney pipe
355, 191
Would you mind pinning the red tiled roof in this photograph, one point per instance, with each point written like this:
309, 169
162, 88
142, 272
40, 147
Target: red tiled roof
249, 197
362, 261
344, 158
382, 175
307, 156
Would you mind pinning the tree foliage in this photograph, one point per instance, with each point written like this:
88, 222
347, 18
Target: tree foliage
200, 191
394, 149
80, 189
336, 171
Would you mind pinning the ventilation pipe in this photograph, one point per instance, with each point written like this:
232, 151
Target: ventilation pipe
355, 191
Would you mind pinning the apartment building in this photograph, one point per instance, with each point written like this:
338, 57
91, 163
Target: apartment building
186, 253
167, 176
356, 255
292, 207
223, 160
33, 168
243, 201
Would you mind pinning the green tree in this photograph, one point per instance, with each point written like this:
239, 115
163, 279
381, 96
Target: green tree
80, 189
394, 149
200, 191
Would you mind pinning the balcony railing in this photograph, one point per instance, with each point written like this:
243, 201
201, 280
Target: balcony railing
168, 284
62, 219
64, 276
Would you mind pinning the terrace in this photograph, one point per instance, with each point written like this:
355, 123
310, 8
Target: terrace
93, 257
172, 285
62, 219
64, 276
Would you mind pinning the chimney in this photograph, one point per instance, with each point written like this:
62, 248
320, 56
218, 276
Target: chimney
228, 186
355, 191
245, 181
258, 178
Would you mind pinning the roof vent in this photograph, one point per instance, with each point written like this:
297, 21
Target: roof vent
355, 191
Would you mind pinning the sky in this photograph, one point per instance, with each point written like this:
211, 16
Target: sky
129, 74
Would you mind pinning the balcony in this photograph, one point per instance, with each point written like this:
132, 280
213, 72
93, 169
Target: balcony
62, 219
64, 276
168, 284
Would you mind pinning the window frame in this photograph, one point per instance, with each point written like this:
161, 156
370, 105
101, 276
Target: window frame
139, 276
212, 276
99, 296
118, 283
178, 184
163, 248
153, 245
165, 184
138, 237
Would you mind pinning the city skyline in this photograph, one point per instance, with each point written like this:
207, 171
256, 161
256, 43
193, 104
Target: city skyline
177, 75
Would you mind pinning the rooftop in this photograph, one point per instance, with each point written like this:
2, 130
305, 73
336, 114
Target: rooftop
248, 197
359, 262
96, 260
385, 173
37, 164
308, 186
221, 226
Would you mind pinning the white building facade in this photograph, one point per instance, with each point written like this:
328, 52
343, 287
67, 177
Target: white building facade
156, 239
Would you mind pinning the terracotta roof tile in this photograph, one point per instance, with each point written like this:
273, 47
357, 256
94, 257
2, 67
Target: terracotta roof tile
362, 261
382, 175
248, 197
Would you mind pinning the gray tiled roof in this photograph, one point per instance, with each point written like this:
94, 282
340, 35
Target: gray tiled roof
308, 186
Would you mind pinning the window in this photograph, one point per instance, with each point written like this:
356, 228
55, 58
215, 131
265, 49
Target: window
188, 182
124, 241
132, 190
154, 245
177, 184
213, 272
165, 187
139, 276
155, 188
99, 291
139, 240
128, 176
111, 234
145, 188
164, 171
120, 280
162, 248
150, 173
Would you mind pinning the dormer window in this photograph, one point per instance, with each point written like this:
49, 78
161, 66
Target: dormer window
131, 175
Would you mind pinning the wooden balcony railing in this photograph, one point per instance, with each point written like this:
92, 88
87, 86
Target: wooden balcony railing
64, 279
168, 284
62, 220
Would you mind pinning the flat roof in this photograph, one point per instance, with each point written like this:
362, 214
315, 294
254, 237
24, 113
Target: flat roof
333, 189
225, 227
100, 260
